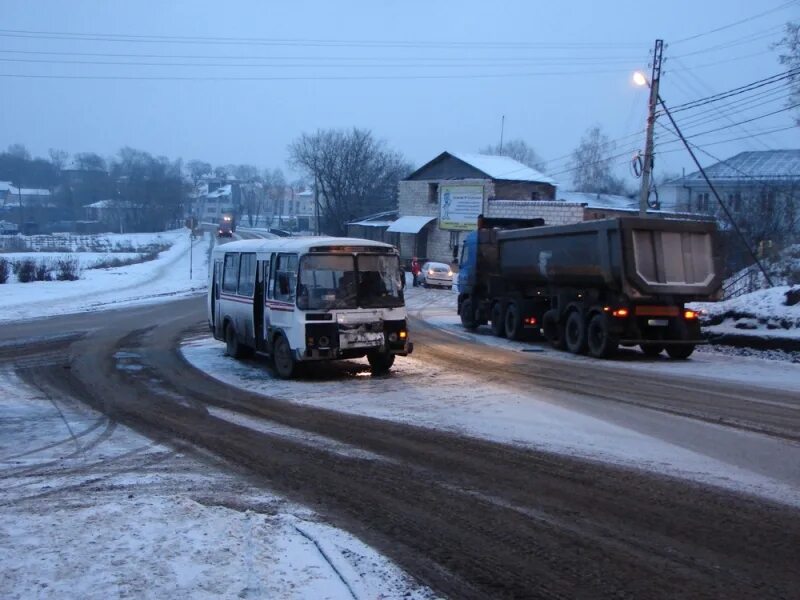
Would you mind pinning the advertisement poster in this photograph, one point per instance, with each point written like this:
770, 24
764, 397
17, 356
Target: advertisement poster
459, 207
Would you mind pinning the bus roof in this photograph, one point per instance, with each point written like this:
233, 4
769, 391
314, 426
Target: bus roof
294, 244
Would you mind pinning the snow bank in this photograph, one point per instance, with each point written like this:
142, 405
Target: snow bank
165, 277
763, 313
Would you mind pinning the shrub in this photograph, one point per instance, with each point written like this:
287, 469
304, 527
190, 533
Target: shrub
5, 270
68, 268
25, 270
43, 270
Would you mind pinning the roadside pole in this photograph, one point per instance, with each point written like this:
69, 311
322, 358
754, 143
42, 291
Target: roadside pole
191, 246
644, 193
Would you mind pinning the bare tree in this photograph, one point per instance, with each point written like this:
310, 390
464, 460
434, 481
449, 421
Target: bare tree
790, 46
275, 190
19, 151
58, 158
245, 172
518, 150
356, 173
89, 161
591, 164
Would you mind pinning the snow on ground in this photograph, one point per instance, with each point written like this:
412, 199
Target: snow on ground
481, 405
90, 509
763, 313
167, 276
86, 260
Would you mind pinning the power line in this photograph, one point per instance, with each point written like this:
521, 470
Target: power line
736, 91
239, 41
322, 57
286, 65
769, 114
301, 77
743, 41
736, 23
718, 142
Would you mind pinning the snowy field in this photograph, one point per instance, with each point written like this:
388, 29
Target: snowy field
481, 405
164, 278
90, 509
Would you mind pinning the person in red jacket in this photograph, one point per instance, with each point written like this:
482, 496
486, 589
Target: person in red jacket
415, 270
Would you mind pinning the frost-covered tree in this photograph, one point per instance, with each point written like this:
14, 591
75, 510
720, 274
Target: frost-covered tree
591, 164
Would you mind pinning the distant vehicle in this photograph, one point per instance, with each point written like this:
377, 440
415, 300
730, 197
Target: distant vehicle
301, 300
592, 286
436, 274
227, 225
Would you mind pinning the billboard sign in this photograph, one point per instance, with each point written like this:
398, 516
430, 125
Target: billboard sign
459, 207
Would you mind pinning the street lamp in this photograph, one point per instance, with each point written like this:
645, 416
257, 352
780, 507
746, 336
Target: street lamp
639, 79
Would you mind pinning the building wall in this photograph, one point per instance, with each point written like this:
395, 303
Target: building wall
523, 190
414, 199
553, 212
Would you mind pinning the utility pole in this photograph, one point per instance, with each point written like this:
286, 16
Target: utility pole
316, 204
647, 169
502, 130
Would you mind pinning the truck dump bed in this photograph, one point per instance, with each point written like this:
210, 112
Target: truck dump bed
639, 257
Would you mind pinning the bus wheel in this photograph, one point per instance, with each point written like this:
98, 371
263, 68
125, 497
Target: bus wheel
232, 346
601, 342
498, 320
285, 364
575, 333
380, 362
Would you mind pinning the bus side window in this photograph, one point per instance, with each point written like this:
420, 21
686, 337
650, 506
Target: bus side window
267, 291
247, 275
230, 276
285, 277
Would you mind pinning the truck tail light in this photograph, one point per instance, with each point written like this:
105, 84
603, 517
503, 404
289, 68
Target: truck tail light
530, 321
690, 315
620, 313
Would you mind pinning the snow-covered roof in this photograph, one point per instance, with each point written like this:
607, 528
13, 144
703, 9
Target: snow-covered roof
111, 204
593, 200
25, 191
409, 224
224, 190
502, 167
5, 186
756, 165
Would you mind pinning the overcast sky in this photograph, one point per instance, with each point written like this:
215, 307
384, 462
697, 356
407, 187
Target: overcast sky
426, 76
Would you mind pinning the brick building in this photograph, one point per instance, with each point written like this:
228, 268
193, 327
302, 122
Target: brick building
443, 198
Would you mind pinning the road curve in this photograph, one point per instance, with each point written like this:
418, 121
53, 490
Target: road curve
470, 518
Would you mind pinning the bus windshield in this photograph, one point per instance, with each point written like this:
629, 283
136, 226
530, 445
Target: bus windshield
329, 281
379, 284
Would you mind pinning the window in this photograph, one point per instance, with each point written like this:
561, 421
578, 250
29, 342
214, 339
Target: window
230, 275
285, 277
433, 193
247, 275
327, 281
702, 202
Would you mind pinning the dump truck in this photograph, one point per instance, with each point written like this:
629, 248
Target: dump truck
590, 287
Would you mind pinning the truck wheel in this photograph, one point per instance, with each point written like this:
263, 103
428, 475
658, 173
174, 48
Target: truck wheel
575, 333
285, 364
498, 320
513, 320
680, 351
232, 346
601, 342
468, 319
380, 362
652, 350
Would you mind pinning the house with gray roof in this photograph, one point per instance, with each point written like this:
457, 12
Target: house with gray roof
748, 178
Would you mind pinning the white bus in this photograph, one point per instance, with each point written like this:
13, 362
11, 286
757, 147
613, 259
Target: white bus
309, 299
